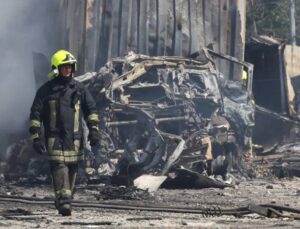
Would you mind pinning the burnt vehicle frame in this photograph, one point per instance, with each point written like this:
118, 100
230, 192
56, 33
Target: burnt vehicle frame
174, 107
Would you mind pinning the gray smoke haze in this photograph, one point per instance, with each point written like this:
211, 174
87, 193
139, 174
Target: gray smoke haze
26, 26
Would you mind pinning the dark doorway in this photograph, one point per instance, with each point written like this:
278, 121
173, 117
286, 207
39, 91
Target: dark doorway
266, 76
268, 89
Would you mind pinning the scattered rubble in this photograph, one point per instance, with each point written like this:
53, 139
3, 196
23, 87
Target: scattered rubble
121, 192
280, 161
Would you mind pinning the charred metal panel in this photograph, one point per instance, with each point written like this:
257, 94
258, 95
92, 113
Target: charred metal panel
154, 27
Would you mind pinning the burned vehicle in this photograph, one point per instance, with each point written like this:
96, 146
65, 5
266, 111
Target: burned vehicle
171, 116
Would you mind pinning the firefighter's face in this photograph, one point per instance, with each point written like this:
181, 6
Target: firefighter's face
66, 70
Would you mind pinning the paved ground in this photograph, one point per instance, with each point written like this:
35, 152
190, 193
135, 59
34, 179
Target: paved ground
282, 192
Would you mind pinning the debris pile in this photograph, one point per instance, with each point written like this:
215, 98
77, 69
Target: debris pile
280, 161
124, 193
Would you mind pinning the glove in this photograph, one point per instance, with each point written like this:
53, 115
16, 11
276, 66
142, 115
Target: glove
39, 147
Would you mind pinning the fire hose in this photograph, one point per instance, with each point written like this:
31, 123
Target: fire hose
267, 210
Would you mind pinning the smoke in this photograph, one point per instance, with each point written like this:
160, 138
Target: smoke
26, 26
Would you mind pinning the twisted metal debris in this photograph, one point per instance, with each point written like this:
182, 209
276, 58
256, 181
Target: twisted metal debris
161, 114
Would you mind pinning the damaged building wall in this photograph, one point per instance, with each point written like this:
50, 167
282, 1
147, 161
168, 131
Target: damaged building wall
154, 27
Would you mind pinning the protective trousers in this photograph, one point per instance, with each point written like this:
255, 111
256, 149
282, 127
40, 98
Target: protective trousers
64, 177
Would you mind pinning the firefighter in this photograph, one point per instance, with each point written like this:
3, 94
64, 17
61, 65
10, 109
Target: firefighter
58, 106
244, 78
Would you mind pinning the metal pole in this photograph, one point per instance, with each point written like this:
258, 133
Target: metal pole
157, 121
292, 24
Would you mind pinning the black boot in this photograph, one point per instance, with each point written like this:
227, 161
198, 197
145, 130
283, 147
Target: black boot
65, 209
64, 206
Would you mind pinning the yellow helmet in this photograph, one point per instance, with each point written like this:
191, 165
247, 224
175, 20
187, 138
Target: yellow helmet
59, 58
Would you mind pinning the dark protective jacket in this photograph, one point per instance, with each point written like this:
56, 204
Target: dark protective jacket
59, 106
